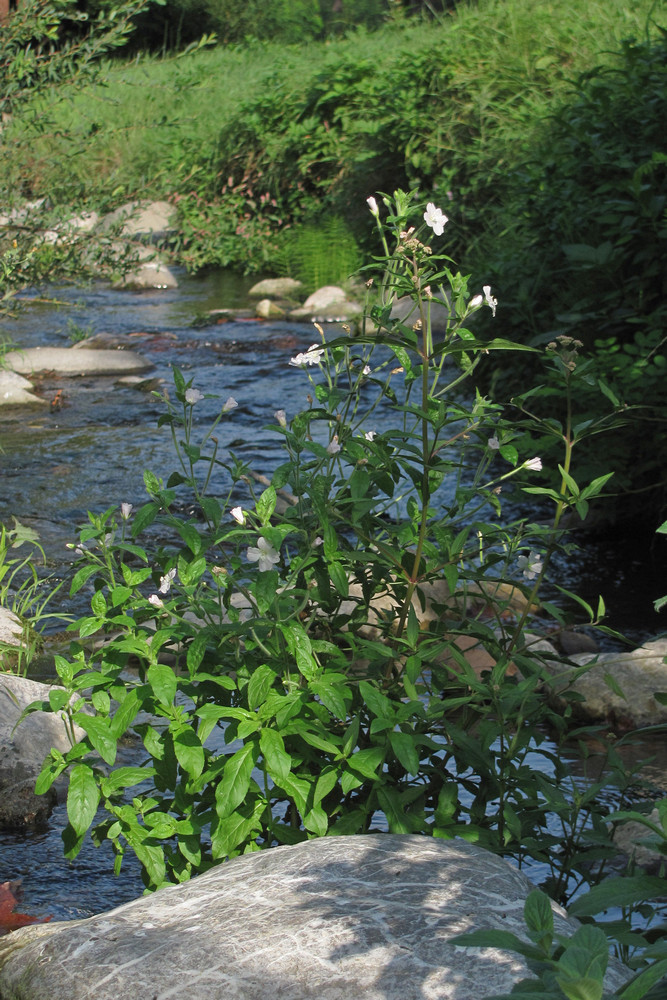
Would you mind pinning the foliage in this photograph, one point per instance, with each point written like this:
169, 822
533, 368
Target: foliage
24, 592
317, 255
574, 967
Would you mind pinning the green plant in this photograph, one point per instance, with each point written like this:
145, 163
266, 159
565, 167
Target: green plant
24, 592
317, 255
312, 670
574, 967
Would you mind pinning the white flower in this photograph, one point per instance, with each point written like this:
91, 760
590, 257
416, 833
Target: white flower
281, 417
530, 565
155, 601
476, 302
435, 218
230, 404
238, 515
534, 464
317, 542
493, 443
264, 555
373, 205
490, 301
165, 581
125, 510
310, 357
193, 396
333, 447
369, 435
367, 370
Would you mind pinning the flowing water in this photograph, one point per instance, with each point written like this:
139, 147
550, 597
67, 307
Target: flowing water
88, 452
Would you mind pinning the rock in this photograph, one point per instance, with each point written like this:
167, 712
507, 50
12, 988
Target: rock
628, 838
571, 642
69, 230
638, 674
146, 271
327, 305
22, 751
330, 919
67, 361
147, 219
267, 309
11, 629
405, 309
15, 390
275, 288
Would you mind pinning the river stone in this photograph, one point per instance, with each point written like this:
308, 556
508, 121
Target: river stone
22, 751
328, 304
268, 309
15, 390
639, 674
149, 274
67, 361
275, 288
152, 219
330, 919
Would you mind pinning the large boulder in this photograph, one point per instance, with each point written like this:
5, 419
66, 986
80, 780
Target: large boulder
68, 361
275, 288
23, 749
330, 919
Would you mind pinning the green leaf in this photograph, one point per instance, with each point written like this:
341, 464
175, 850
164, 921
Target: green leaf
144, 517
100, 735
83, 797
638, 987
233, 787
403, 745
189, 752
539, 919
615, 892
391, 805
260, 683
278, 761
266, 505
339, 578
163, 682
81, 576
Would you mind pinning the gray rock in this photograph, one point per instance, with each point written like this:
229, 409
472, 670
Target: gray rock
22, 751
267, 309
150, 274
330, 919
152, 219
275, 288
67, 361
630, 837
15, 391
72, 228
405, 309
639, 674
11, 628
327, 305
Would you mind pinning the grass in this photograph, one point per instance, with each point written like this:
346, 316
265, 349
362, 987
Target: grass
151, 126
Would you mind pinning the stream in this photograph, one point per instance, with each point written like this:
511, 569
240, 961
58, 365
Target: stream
89, 453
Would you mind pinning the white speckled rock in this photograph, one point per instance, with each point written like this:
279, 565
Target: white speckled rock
341, 918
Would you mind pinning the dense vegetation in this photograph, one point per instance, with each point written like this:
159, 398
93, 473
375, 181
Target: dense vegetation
543, 129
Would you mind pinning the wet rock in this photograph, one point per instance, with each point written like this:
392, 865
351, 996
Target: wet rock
630, 837
267, 309
638, 675
328, 919
148, 271
275, 288
327, 305
15, 391
68, 361
22, 751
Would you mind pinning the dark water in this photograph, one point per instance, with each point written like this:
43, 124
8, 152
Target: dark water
90, 454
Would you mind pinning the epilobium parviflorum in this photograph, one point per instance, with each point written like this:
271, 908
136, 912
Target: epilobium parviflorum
350, 649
